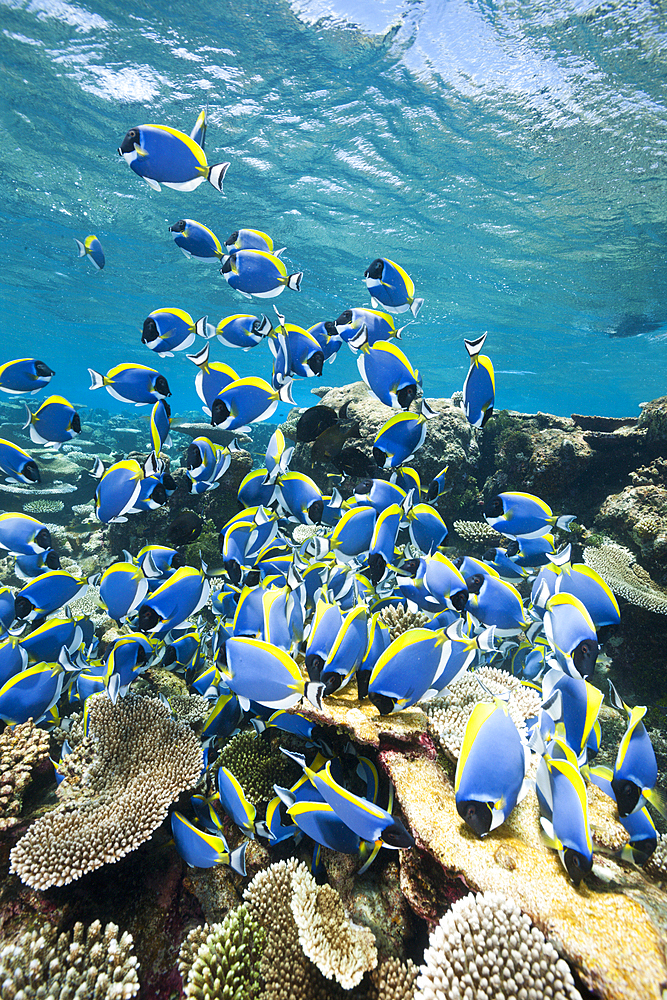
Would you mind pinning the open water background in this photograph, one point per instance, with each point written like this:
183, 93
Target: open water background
511, 156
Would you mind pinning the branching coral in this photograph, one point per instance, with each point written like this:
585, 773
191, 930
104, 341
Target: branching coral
119, 785
449, 713
485, 947
221, 962
478, 532
620, 570
81, 965
340, 949
393, 980
275, 897
398, 619
21, 748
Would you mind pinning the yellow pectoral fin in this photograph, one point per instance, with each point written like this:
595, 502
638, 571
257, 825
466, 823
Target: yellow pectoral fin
139, 151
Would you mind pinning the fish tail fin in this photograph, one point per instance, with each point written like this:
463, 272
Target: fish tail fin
201, 327
427, 412
199, 359
82, 249
416, 306
237, 858
294, 281
28, 416
313, 691
216, 175
473, 347
563, 522
359, 340
265, 327
279, 252
285, 393
97, 381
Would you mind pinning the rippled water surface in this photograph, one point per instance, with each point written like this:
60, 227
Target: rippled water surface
511, 156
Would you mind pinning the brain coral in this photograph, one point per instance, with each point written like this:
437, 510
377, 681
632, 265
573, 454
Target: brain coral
119, 784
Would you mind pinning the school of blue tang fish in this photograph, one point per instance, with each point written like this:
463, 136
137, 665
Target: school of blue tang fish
299, 616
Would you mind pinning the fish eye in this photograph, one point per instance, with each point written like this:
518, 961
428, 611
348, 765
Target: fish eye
475, 583
315, 511
193, 457
512, 548
410, 567
22, 606
459, 600
576, 864
31, 472
233, 571
379, 457
477, 815
149, 332
52, 560
584, 657
219, 412
177, 561
43, 370
330, 328
227, 266
162, 386
316, 362
627, 795
178, 227
493, 507
169, 656
76, 423
374, 270
232, 239
159, 494
397, 836
377, 566
382, 702
43, 538
344, 318
147, 618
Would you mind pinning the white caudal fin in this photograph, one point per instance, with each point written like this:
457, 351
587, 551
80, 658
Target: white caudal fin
473, 347
97, 380
201, 328
216, 175
416, 306
82, 249
28, 417
427, 412
294, 281
201, 358
285, 393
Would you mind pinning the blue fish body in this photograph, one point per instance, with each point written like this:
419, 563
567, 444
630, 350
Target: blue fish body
643, 837
163, 155
480, 386
132, 383
92, 249
45, 643
24, 375
571, 634
391, 287
122, 588
127, 658
179, 597
251, 239
305, 354
522, 515
234, 801
32, 693
258, 671
427, 529
254, 491
258, 273
319, 821
491, 768
225, 716
242, 331
327, 337
404, 673
201, 849
47, 593
158, 561
160, 426
353, 533
13, 659
299, 495
55, 422
383, 541
445, 583
346, 652
168, 330
562, 795
575, 704
196, 240
117, 491
205, 464
635, 768
388, 374
17, 464
212, 378
246, 401
379, 325
379, 494
495, 602
596, 596
400, 437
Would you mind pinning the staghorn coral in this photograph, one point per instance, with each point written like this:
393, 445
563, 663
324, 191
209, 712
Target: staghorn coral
119, 784
43, 506
339, 948
221, 960
257, 765
620, 570
21, 748
478, 532
393, 980
486, 947
398, 619
80, 965
286, 972
449, 712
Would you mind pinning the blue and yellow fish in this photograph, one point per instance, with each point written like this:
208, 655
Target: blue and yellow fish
92, 249
163, 155
247, 401
243, 331
132, 383
24, 375
196, 240
55, 422
401, 437
391, 287
167, 330
22, 534
258, 273
17, 465
479, 387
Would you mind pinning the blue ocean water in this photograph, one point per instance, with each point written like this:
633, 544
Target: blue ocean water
511, 156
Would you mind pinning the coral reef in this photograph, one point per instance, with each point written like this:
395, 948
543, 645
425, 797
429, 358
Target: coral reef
393, 980
478, 533
620, 570
221, 962
43, 506
119, 784
22, 749
486, 947
93, 964
448, 713
398, 619
258, 764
